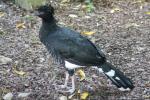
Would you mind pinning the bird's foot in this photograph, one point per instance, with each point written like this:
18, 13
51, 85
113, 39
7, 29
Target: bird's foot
70, 91
64, 87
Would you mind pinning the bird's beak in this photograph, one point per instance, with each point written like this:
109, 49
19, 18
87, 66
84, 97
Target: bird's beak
37, 13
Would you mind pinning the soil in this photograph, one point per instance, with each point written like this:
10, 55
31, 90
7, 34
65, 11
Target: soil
123, 35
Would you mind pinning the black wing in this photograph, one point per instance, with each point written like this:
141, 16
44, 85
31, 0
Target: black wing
76, 49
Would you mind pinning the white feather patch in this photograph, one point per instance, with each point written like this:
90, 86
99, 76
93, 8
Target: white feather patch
71, 65
117, 78
100, 70
111, 73
123, 89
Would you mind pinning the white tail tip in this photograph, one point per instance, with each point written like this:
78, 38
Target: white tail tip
123, 89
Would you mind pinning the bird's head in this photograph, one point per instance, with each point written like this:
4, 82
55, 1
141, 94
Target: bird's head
45, 12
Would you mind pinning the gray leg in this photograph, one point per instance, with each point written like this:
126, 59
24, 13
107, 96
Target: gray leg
66, 80
71, 89
73, 84
65, 84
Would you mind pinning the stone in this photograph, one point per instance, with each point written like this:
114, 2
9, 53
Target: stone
8, 96
5, 60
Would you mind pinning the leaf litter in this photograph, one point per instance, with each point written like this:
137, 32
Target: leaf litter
113, 38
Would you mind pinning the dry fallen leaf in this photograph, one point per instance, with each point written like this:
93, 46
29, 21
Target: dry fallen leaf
147, 85
141, 7
88, 33
8, 96
146, 97
131, 25
2, 14
84, 95
115, 10
65, 1
77, 7
23, 95
79, 91
81, 74
18, 72
148, 13
5, 60
73, 16
139, 1
20, 25
83, 6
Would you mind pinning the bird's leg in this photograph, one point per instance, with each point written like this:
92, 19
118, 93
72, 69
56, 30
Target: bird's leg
66, 80
72, 88
73, 84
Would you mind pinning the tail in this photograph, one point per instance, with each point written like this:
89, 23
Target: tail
117, 77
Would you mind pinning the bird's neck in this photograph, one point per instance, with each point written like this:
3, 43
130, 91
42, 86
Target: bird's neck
48, 27
49, 19
49, 22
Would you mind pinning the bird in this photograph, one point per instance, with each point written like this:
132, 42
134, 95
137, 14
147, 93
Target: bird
74, 51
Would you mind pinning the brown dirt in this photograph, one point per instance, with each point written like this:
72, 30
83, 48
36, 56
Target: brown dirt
124, 36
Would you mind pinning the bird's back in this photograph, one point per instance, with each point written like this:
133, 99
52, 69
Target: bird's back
71, 46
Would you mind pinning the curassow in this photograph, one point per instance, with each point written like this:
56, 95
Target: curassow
71, 49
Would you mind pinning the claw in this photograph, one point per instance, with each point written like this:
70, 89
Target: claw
62, 87
66, 89
70, 91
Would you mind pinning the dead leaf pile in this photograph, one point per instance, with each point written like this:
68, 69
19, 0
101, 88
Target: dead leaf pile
20, 25
2, 14
18, 72
88, 33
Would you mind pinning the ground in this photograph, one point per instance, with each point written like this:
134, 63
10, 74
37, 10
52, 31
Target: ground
123, 34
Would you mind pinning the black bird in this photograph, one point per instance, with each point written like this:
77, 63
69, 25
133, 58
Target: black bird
73, 50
